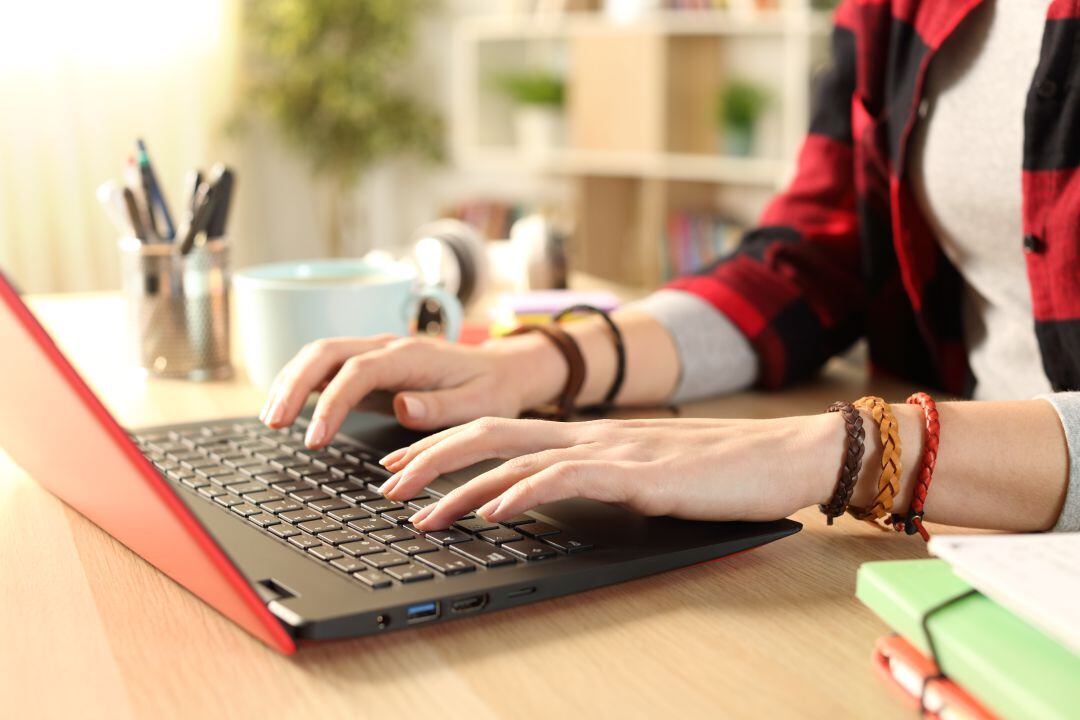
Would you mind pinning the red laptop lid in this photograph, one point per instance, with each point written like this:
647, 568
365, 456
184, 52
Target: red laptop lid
56, 429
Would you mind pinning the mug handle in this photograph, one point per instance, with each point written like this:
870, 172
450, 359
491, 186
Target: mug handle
451, 307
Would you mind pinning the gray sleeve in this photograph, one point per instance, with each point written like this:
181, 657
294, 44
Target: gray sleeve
715, 357
1067, 405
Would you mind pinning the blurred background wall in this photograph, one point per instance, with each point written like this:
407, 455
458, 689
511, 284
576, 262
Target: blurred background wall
80, 81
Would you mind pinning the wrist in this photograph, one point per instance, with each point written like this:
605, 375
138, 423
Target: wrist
827, 436
532, 367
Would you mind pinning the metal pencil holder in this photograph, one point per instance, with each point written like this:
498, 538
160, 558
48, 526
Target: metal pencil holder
178, 308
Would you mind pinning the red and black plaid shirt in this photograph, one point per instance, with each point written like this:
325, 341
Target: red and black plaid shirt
845, 252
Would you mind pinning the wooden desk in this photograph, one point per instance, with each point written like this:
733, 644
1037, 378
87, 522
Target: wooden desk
88, 629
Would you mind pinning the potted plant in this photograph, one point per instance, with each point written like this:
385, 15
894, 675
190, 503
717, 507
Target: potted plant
538, 117
739, 105
325, 72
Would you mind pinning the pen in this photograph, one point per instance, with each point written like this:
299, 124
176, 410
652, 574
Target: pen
134, 182
133, 215
204, 207
154, 197
223, 189
191, 185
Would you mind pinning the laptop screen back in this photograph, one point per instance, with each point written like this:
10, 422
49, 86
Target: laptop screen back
55, 428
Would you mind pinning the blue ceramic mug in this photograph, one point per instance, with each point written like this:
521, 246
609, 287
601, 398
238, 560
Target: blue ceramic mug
284, 306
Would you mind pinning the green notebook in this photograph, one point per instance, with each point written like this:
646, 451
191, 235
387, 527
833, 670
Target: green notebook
1015, 670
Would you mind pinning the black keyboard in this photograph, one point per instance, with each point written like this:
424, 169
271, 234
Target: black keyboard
325, 503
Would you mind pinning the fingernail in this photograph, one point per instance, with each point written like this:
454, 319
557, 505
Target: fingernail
488, 508
390, 484
276, 411
414, 407
421, 514
492, 515
315, 432
392, 457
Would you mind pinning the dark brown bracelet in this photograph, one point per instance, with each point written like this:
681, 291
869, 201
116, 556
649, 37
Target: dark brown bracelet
854, 447
575, 364
616, 338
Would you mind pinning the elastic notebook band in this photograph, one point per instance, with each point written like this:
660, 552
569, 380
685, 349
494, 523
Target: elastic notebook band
620, 347
924, 623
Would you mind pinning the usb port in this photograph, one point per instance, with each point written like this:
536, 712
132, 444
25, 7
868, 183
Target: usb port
422, 612
522, 592
469, 604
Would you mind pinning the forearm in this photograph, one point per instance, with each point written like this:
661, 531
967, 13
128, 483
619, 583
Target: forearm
652, 364
1000, 465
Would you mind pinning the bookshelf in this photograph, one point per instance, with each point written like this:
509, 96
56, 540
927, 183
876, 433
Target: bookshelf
641, 142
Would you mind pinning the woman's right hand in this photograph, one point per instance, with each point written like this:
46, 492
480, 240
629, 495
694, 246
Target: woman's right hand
435, 383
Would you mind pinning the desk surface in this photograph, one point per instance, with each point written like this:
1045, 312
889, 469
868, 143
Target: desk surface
91, 630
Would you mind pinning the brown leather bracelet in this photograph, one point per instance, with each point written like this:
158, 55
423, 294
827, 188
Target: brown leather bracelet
575, 363
889, 480
854, 447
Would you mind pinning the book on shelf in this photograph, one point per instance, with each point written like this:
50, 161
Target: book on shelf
693, 239
493, 218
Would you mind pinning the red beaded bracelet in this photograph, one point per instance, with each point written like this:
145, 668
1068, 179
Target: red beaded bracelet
912, 521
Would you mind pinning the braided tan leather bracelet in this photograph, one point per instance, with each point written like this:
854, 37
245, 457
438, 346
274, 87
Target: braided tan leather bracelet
854, 447
889, 480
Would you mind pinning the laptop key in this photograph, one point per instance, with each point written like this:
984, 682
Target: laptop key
284, 530
530, 550
263, 519
360, 496
347, 514
409, 572
255, 470
361, 547
227, 500
447, 562
348, 564
273, 477
398, 517
324, 552
328, 504
369, 524
339, 537
484, 554
212, 472
308, 495
372, 578
475, 525
568, 545
517, 520
247, 487
319, 526
245, 509
287, 463
341, 486
500, 536
304, 541
385, 559
299, 471
225, 480
319, 477
290, 486
448, 537
264, 496
538, 529
210, 491
415, 546
421, 503
381, 506
194, 482
281, 506
299, 516
390, 535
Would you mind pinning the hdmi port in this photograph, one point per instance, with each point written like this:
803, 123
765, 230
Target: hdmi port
469, 604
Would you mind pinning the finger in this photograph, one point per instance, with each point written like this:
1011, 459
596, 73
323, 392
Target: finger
312, 366
419, 446
593, 480
483, 439
439, 408
359, 376
466, 498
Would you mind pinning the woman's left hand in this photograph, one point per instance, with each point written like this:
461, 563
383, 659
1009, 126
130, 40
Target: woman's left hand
694, 469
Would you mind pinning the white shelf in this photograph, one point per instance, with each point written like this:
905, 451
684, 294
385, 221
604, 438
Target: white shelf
671, 22
666, 166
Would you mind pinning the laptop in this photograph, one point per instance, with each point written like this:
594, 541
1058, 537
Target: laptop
297, 546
